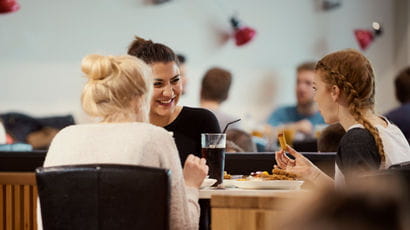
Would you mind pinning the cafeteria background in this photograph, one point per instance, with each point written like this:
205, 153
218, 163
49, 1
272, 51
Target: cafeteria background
42, 44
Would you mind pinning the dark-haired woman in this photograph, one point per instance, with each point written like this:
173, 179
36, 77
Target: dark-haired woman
186, 123
344, 91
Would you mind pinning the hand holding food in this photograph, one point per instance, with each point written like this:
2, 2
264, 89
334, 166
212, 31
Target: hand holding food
300, 165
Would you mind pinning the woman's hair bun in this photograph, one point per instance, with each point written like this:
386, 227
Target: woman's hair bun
97, 67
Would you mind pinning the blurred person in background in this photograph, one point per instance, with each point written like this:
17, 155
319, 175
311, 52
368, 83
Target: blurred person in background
3, 137
231, 147
7, 142
184, 122
215, 87
183, 72
118, 92
344, 86
35, 131
401, 116
303, 116
330, 137
242, 139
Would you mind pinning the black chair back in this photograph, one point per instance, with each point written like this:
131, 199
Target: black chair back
402, 170
396, 173
103, 196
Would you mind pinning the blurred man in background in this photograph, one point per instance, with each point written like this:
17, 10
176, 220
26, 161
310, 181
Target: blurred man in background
401, 115
214, 91
303, 116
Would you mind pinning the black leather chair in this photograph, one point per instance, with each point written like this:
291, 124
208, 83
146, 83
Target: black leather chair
403, 171
103, 196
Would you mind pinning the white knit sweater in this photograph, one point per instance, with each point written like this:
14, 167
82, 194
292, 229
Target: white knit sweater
134, 144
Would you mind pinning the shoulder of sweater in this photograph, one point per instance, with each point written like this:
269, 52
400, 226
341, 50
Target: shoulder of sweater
123, 126
158, 132
68, 129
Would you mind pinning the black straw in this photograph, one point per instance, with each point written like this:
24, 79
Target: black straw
226, 127
230, 123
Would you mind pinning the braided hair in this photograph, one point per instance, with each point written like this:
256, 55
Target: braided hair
353, 74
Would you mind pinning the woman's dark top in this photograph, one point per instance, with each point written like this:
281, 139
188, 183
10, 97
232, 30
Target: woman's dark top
357, 151
187, 129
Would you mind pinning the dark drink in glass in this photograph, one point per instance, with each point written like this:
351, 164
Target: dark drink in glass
215, 159
213, 150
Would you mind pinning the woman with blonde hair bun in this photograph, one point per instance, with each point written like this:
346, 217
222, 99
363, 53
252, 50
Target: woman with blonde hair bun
116, 87
118, 92
344, 86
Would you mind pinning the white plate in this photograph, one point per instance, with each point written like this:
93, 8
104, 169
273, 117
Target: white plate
227, 183
208, 183
268, 184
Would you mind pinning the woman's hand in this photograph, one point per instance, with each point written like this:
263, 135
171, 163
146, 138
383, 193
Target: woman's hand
195, 171
300, 165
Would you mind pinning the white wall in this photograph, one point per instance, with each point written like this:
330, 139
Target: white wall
402, 32
41, 46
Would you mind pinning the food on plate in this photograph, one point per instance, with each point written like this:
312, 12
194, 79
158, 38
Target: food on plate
277, 174
282, 141
227, 176
281, 172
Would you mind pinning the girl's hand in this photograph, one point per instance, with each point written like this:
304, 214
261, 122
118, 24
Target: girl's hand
300, 166
195, 171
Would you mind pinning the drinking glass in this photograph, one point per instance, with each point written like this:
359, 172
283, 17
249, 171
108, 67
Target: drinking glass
213, 150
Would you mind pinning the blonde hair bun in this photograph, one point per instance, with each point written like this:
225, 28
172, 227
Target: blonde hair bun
118, 86
97, 67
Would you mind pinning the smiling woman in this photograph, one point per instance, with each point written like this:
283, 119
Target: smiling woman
186, 123
167, 89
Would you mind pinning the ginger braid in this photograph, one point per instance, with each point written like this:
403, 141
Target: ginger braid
355, 103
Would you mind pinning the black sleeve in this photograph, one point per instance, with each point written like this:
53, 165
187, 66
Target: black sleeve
187, 129
209, 122
357, 152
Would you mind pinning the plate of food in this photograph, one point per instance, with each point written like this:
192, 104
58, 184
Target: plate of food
279, 179
230, 179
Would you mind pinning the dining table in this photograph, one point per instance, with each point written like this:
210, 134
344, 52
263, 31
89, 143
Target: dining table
239, 208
